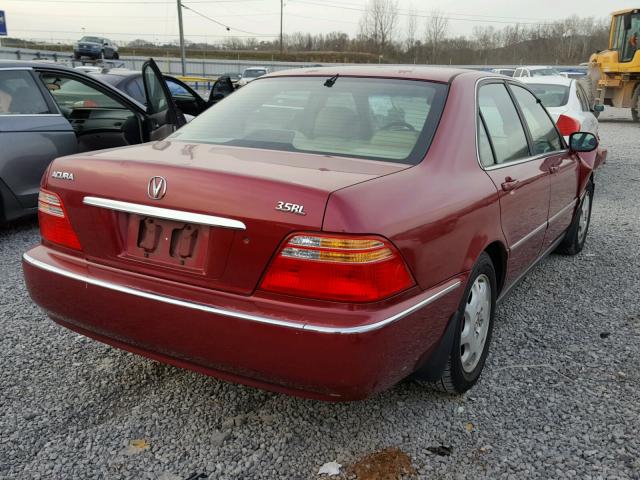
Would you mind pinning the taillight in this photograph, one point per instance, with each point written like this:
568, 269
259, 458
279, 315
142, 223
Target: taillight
568, 125
54, 221
337, 267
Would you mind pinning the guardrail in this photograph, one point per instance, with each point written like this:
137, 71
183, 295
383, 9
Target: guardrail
207, 68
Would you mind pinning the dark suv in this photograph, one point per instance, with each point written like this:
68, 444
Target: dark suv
95, 48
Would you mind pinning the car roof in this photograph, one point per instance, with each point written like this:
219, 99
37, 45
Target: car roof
35, 64
548, 80
407, 72
538, 67
256, 68
119, 72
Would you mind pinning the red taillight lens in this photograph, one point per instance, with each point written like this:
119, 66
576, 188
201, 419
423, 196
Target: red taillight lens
54, 222
568, 125
337, 267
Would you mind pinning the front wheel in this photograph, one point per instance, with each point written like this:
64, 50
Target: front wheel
116, 56
473, 330
576, 235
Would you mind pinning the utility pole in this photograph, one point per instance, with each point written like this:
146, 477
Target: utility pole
281, 14
182, 51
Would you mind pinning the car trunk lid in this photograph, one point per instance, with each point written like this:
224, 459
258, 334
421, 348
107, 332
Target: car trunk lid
108, 203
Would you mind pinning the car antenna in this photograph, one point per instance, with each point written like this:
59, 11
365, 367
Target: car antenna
331, 81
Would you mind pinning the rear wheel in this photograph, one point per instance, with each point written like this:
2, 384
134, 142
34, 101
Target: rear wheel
576, 235
473, 330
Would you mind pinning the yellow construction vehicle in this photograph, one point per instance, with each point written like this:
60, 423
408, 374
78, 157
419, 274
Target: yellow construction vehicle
614, 74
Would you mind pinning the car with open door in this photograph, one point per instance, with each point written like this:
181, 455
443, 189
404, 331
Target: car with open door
186, 98
51, 110
324, 232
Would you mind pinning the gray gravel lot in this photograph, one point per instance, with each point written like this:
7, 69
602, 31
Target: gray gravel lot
559, 397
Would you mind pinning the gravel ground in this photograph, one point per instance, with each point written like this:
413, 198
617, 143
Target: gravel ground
559, 397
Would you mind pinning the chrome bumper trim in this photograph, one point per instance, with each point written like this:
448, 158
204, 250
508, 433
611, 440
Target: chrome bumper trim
165, 213
445, 289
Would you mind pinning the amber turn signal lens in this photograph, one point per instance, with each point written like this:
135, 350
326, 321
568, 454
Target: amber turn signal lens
339, 268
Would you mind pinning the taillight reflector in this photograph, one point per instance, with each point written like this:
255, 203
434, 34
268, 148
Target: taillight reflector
568, 125
338, 268
54, 222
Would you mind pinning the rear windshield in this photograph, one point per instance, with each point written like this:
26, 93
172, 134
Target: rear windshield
91, 39
551, 95
382, 119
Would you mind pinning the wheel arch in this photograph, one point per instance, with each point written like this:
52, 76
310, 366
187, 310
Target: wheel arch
498, 254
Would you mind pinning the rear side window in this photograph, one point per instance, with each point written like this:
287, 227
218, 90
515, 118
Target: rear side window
503, 123
379, 119
20, 95
484, 146
551, 95
544, 136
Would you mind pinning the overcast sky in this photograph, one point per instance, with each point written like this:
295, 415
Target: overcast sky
156, 20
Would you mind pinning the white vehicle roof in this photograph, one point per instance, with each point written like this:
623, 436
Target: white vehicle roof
255, 68
550, 80
537, 67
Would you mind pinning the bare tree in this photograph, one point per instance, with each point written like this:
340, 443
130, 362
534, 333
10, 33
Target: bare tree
436, 32
412, 30
378, 22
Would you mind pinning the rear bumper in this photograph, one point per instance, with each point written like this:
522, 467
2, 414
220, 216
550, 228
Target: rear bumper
274, 344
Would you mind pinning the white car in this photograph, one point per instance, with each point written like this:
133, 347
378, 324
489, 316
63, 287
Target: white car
567, 102
535, 71
251, 73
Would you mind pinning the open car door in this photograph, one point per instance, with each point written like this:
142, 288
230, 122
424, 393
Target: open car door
222, 88
164, 116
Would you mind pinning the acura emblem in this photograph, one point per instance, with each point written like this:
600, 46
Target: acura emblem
157, 188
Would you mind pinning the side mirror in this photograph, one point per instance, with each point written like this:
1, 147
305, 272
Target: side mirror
583, 142
598, 107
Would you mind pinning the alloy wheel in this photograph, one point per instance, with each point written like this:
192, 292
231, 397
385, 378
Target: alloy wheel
583, 222
476, 320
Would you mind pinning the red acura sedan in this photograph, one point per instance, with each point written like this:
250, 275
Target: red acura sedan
323, 232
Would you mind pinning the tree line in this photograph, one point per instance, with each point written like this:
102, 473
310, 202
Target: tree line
393, 37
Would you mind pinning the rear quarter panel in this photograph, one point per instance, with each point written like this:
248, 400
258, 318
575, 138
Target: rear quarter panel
443, 212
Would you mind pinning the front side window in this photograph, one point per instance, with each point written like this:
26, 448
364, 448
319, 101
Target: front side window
20, 95
176, 89
551, 95
503, 123
71, 93
544, 135
380, 119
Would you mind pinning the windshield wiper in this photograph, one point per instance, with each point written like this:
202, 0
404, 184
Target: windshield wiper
331, 81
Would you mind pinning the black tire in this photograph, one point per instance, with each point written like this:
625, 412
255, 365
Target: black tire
455, 379
76, 56
635, 104
575, 238
116, 56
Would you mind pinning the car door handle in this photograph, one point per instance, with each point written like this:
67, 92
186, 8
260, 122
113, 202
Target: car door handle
509, 184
